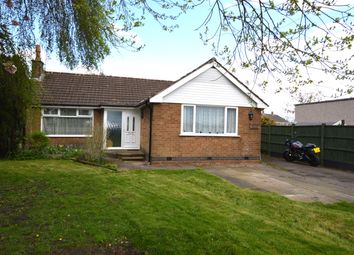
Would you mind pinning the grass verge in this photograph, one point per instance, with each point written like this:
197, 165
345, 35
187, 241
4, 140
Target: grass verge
63, 207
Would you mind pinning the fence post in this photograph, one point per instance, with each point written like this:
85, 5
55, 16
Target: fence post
292, 131
269, 152
322, 142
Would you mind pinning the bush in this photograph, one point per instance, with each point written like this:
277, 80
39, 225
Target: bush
49, 152
93, 148
27, 154
63, 152
267, 121
36, 147
37, 141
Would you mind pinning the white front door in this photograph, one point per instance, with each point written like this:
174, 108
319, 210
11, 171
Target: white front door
131, 129
122, 128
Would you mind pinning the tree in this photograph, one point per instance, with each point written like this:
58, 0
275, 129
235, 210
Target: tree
289, 39
78, 31
17, 95
266, 121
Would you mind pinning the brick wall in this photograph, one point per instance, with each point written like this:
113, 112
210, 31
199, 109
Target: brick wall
168, 143
145, 131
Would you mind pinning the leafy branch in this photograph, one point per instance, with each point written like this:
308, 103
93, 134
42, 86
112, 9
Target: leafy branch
289, 38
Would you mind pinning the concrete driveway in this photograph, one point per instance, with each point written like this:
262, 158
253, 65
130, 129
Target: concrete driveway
296, 181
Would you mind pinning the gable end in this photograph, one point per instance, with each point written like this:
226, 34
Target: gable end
210, 84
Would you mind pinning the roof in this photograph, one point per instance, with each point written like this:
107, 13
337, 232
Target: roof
330, 123
275, 117
70, 89
328, 101
209, 64
97, 90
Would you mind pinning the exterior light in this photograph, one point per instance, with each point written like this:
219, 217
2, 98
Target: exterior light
250, 115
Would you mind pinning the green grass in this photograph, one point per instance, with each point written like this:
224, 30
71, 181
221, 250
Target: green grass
52, 205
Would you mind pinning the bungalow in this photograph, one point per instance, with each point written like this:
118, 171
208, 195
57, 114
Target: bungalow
207, 115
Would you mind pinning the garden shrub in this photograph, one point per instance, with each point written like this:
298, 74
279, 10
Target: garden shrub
49, 152
63, 152
93, 148
37, 141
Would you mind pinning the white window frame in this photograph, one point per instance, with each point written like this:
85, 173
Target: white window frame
182, 118
43, 115
225, 134
236, 125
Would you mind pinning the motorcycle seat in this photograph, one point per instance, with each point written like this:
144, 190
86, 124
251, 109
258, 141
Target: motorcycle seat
310, 145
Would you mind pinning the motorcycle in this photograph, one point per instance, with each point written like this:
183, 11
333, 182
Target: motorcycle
297, 151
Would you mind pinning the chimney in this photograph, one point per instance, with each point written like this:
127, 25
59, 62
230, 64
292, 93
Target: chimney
37, 65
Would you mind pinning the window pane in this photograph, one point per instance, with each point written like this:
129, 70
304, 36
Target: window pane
231, 121
133, 124
51, 111
84, 112
67, 126
210, 120
188, 119
114, 129
67, 112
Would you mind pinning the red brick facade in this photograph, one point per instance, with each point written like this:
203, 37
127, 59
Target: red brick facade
167, 144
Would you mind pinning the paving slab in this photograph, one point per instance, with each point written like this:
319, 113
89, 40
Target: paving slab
297, 181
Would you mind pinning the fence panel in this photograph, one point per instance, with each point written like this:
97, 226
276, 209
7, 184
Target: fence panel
339, 144
336, 142
308, 134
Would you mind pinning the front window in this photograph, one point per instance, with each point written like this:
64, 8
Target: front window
209, 120
67, 121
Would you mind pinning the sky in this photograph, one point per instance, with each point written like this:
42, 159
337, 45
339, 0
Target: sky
170, 55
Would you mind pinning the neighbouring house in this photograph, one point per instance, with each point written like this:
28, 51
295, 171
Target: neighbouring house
331, 112
279, 121
208, 115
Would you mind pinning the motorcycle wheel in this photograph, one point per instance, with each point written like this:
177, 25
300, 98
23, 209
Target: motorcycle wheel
287, 156
314, 160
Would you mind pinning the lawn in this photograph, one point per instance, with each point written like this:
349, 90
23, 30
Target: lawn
62, 207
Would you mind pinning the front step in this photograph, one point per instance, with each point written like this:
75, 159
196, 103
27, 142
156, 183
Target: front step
133, 158
126, 155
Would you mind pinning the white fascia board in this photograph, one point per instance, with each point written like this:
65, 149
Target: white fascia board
159, 97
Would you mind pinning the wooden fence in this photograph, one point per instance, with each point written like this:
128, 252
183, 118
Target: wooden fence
336, 142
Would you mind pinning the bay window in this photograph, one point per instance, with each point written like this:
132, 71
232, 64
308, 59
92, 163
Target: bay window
209, 120
67, 121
